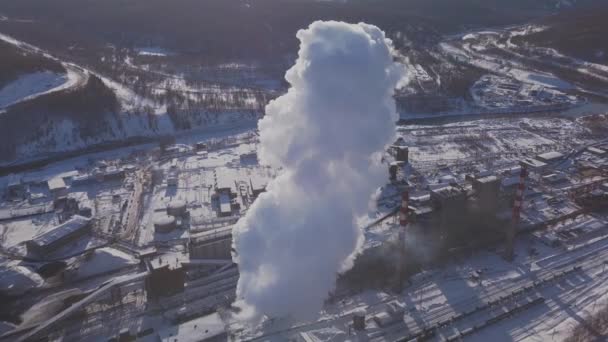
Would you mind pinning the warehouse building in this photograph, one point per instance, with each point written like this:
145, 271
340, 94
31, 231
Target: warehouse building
53, 239
165, 278
212, 244
550, 157
225, 192
257, 187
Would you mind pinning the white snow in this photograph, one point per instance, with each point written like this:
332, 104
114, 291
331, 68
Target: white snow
16, 280
153, 51
103, 260
30, 85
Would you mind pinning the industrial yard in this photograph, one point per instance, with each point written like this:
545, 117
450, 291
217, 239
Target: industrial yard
140, 238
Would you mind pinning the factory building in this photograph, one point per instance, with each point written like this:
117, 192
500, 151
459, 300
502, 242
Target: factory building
486, 190
51, 240
57, 187
451, 204
401, 153
15, 188
165, 278
212, 244
550, 157
257, 187
225, 192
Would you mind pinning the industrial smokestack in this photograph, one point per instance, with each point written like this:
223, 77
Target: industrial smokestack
403, 213
327, 134
516, 215
403, 222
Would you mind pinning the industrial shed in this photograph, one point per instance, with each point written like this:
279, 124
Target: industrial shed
51, 240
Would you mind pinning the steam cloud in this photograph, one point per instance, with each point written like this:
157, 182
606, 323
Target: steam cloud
326, 134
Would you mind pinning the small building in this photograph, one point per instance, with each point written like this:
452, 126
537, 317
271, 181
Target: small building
249, 158
173, 178
57, 187
225, 207
550, 157
114, 173
223, 183
165, 277
51, 240
200, 146
257, 187
225, 191
401, 153
15, 188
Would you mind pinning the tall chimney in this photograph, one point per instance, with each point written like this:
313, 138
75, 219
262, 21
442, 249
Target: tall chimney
403, 222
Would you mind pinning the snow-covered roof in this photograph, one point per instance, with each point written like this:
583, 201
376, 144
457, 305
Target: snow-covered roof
550, 156
224, 178
487, 179
68, 227
56, 184
533, 163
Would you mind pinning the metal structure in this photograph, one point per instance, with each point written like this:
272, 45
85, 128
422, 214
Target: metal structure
517, 204
403, 222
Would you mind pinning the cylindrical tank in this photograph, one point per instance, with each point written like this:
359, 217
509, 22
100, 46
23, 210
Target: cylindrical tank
176, 208
164, 224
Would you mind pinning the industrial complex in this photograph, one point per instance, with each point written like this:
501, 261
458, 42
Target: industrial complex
137, 244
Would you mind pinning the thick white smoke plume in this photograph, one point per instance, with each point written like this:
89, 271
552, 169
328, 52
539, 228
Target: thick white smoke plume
326, 134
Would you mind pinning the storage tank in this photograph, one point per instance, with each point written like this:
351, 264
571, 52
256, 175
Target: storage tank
164, 223
177, 208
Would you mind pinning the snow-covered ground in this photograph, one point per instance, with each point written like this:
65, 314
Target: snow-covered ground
153, 51
29, 85
100, 261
